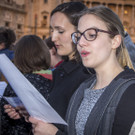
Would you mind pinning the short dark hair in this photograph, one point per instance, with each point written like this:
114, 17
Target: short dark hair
7, 36
31, 54
71, 10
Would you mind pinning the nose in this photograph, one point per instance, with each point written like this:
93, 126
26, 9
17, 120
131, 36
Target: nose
54, 36
82, 41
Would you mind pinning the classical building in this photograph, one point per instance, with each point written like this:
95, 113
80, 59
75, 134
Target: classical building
33, 16
27, 16
38, 16
12, 14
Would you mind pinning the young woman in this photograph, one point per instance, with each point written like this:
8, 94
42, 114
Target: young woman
32, 58
103, 104
68, 76
7, 38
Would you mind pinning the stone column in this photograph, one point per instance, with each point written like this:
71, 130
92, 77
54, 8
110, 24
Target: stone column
133, 20
90, 5
122, 12
117, 9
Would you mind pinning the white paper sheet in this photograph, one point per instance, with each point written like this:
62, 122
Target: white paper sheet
13, 101
33, 101
3, 85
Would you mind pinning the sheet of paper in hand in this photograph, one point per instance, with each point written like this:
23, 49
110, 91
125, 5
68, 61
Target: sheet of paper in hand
34, 102
3, 85
13, 101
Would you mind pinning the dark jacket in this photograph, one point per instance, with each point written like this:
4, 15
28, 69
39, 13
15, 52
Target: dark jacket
8, 53
20, 127
118, 116
66, 79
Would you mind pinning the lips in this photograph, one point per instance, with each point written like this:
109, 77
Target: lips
84, 53
57, 46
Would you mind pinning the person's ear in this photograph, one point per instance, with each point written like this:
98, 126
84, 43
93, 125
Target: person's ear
116, 41
2, 46
53, 51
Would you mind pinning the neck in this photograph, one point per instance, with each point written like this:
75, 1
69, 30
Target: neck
106, 75
56, 60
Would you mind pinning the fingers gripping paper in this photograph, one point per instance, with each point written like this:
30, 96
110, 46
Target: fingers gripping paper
33, 101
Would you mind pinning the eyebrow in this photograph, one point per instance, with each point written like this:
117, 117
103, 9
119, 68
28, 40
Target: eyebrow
93, 27
57, 27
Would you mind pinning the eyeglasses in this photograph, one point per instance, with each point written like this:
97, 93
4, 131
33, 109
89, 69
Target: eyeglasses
89, 34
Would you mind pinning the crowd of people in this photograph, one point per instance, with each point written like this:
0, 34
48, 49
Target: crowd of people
90, 60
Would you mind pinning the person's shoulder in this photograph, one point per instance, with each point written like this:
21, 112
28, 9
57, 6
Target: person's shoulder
8, 53
88, 81
126, 74
68, 66
128, 41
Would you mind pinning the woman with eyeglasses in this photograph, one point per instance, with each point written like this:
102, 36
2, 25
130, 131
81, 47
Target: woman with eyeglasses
105, 103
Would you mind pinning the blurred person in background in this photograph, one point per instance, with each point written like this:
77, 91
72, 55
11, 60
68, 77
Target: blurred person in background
130, 47
32, 58
7, 38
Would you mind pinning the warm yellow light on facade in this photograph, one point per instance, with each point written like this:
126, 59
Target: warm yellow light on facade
125, 29
125, 12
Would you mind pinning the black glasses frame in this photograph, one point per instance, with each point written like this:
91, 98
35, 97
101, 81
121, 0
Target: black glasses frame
82, 34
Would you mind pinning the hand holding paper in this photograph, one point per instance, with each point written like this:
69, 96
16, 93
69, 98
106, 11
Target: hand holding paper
11, 112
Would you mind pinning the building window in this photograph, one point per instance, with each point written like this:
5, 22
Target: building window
45, 1
44, 37
95, 4
9, 1
19, 26
7, 24
126, 25
44, 21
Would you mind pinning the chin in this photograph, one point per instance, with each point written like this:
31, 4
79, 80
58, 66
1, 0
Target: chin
86, 64
60, 52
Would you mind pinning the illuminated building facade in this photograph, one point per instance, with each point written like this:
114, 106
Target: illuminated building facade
12, 14
33, 16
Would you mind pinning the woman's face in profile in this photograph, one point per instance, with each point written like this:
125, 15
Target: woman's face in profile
62, 29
